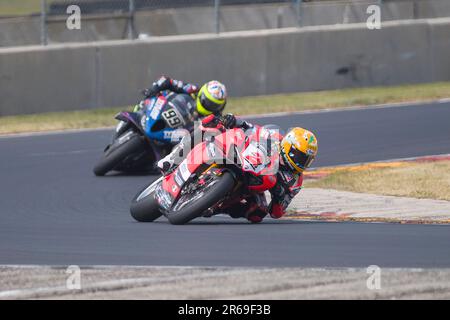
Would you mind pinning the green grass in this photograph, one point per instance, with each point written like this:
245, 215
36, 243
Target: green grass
19, 7
239, 106
339, 98
59, 121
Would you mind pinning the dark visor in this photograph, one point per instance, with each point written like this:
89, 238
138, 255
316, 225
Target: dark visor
301, 159
210, 105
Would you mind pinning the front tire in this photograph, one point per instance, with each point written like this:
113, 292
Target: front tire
210, 197
144, 207
112, 159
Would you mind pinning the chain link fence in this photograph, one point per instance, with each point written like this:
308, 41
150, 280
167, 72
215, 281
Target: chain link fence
47, 20
108, 6
145, 18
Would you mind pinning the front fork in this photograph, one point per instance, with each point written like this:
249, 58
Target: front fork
233, 198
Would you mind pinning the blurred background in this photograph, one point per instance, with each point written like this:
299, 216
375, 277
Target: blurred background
277, 59
28, 22
257, 47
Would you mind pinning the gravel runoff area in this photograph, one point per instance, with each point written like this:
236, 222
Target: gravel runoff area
327, 204
34, 282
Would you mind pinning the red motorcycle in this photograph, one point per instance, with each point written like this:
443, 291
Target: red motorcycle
226, 168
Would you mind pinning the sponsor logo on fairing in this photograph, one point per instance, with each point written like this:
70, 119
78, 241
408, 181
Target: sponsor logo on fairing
178, 179
157, 108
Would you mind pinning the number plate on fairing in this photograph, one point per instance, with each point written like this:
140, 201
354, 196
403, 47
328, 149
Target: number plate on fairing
254, 158
173, 118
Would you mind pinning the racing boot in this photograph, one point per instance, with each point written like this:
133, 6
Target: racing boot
258, 209
170, 162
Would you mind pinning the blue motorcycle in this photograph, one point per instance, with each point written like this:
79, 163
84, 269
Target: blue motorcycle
143, 137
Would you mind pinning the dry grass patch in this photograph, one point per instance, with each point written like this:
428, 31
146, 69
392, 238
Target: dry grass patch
418, 180
19, 7
239, 106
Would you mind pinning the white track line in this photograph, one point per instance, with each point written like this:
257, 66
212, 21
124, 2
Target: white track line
106, 266
49, 133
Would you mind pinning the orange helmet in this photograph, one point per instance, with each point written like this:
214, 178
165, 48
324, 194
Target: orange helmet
298, 149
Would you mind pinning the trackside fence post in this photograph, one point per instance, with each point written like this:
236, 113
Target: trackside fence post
131, 12
44, 35
298, 9
217, 15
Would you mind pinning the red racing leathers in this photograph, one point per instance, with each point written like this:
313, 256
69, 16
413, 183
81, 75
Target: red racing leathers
287, 185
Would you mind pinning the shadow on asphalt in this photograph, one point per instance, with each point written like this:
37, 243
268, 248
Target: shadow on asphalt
230, 221
117, 174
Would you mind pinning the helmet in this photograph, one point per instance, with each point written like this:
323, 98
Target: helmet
211, 98
298, 149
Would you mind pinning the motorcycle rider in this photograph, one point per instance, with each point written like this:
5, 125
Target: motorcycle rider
297, 150
211, 98
210, 101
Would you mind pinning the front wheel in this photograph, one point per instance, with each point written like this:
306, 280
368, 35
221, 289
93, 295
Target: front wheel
116, 154
192, 205
144, 207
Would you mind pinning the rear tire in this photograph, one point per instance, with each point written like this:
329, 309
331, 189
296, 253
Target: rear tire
209, 198
112, 159
145, 209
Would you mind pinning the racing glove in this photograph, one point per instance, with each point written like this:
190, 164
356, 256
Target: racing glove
229, 121
163, 83
150, 92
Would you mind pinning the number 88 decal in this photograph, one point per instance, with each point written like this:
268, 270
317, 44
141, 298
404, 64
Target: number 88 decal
172, 118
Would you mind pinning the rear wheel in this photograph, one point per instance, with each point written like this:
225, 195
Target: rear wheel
116, 154
144, 207
191, 205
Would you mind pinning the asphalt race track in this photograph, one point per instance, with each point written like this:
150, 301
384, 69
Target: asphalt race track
53, 210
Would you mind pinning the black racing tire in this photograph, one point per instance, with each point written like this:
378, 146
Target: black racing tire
145, 209
111, 159
210, 197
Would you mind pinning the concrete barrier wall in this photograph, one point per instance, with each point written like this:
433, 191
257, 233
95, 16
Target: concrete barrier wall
92, 75
432, 9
